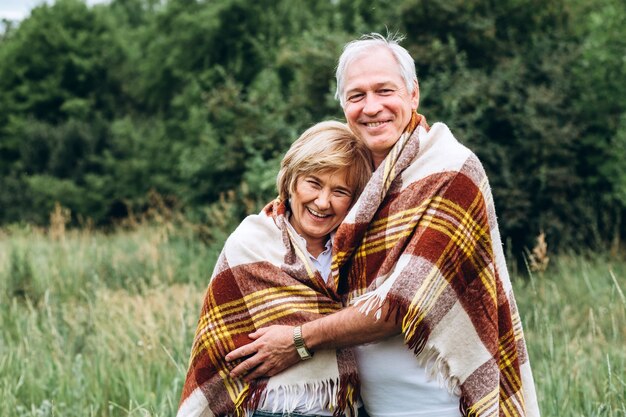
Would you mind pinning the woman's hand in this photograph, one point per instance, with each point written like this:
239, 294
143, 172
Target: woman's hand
272, 351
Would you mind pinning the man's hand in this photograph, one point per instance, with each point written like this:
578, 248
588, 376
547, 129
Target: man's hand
273, 349
272, 352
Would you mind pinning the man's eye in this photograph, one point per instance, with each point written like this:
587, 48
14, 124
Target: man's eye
355, 97
385, 91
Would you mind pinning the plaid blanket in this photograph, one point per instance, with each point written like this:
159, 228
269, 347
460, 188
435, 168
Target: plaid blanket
423, 238
263, 277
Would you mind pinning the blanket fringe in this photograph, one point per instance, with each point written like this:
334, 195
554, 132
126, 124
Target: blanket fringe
338, 395
374, 301
465, 409
250, 398
347, 394
369, 302
436, 367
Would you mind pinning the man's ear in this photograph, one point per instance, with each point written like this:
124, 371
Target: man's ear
415, 96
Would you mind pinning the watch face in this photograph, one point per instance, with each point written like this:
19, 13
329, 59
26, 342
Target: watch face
304, 354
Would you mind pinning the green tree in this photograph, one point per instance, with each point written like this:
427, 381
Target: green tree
198, 101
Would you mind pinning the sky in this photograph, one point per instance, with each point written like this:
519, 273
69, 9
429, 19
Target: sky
20, 9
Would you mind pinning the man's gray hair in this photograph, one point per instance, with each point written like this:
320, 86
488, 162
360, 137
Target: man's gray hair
356, 48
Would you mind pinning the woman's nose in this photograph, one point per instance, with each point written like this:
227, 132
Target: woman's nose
323, 200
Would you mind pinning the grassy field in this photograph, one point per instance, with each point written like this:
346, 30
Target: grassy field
95, 324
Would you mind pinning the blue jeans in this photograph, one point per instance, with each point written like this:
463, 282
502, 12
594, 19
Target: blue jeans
259, 413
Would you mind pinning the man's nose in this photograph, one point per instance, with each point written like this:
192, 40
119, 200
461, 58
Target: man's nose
372, 105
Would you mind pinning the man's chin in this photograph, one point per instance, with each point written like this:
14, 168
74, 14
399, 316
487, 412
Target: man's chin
378, 141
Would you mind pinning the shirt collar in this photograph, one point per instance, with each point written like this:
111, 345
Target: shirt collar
302, 240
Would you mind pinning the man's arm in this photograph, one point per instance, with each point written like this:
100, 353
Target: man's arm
273, 349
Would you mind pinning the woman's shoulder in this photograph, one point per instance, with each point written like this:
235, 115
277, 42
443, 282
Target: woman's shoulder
257, 238
254, 226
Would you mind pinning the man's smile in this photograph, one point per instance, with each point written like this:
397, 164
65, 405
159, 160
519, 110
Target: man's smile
375, 124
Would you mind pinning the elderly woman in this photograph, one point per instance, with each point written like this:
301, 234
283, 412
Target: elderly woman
275, 269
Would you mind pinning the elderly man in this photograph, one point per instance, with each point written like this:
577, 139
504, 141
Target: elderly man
420, 262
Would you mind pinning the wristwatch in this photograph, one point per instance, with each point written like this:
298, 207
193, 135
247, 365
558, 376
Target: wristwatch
299, 342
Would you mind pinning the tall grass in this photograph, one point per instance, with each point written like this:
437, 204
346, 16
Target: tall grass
95, 324
575, 325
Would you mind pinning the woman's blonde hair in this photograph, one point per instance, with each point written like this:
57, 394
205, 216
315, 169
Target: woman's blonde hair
325, 146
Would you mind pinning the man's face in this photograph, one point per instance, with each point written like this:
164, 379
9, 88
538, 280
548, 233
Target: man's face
378, 106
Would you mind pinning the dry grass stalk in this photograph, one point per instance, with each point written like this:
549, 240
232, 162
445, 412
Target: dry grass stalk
538, 259
59, 218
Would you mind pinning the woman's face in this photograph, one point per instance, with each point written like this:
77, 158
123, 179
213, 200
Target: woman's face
319, 203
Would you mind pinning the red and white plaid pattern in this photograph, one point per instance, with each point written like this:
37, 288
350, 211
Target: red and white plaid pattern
262, 278
423, 238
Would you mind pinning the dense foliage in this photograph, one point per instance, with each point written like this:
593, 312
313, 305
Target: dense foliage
197, 101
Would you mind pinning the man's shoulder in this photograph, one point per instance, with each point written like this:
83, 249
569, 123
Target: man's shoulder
439, 151
442, 156
441, 135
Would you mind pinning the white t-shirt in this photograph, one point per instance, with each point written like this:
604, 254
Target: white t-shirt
393, 384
